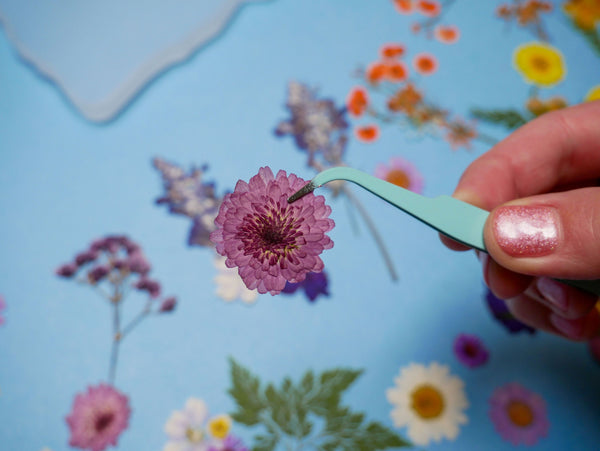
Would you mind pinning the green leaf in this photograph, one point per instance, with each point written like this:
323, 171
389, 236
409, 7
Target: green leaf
331, 385
510, 119
265, 443
245, 391
377, 436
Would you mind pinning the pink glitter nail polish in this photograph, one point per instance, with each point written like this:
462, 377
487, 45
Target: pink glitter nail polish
527, 231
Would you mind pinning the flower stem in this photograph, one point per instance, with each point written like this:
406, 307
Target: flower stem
371, 225
114, 355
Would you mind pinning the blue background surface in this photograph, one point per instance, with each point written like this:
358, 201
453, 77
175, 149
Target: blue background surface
65, 181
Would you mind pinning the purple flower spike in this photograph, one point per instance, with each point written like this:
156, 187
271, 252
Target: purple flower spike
314, 285
502, 314
97, 273
137, 263
168, 305
470, 351
67, 270
149, 285
518, 414
268, 239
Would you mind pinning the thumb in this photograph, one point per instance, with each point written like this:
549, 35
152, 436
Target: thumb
555, 235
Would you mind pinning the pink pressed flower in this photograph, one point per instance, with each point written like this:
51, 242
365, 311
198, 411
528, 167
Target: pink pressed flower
2, 307
269, 240
98, 417
402, 173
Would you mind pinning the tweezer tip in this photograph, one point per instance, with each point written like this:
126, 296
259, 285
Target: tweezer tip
306, 189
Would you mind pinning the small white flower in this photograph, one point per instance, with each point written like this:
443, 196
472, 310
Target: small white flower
230, 285
429, 401
186, 428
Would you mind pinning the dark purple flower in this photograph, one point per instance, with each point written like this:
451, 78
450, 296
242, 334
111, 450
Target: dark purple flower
231, 443
188, 195
97, 273
314, 285
502, 314
470, 350
85, 257
270, 240
317, 125
168, 305
67, 270
519, 414
149, 285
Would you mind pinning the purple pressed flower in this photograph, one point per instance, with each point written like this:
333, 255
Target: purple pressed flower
502, 314
98, 417
268, 239
136, 262
317, 125
2, 308
168, 305
189, 195
231, 443
149, 285
97, 273
518, 414
314, 285
67, 270
470, 350
85, 257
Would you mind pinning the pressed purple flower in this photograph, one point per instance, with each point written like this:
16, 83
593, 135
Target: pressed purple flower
2, 308
67, 270
168, 305
85, 257
98, 418
314, 285
470, 350
518, 414
501, 313
136, 262
317, 125
231, 443
97, 273
268, 239
149, 285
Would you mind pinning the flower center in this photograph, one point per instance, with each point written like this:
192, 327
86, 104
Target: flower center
427, 402
540, 63
194, 435
520, 413
470, 350
103, 421
398, 177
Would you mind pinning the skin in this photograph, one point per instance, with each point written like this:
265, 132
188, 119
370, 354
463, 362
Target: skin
553, 161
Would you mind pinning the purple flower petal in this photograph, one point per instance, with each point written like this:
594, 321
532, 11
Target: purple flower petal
470, 351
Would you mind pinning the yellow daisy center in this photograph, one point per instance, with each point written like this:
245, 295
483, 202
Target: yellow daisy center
398, 177
427, 401
219, 426
194, 435
520, 413
540, 63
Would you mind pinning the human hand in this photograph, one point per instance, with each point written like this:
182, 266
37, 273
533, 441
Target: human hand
541, 186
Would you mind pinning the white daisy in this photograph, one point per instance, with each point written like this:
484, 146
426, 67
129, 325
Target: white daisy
186, 428
429, 401
230, 285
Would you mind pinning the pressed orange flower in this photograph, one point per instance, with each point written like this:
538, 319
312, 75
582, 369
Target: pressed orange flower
585, 13
425, 63
367, 133
460, 133
375, 72
429, 8
396, 71
404, 6
448, 34
593, 94
357, 101
405, 99
392, 51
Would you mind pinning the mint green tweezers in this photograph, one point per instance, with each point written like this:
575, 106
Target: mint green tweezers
456, 219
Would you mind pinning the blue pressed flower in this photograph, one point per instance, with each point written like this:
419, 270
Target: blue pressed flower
314, 285
501, 313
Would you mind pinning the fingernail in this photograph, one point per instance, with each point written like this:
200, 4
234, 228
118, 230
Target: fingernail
526, 231
569, 328
554, 292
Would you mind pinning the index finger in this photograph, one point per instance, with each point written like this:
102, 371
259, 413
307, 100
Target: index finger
558, 148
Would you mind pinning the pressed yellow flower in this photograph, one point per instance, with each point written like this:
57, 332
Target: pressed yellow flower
585, 13
593, 94
219, 426
539, 63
